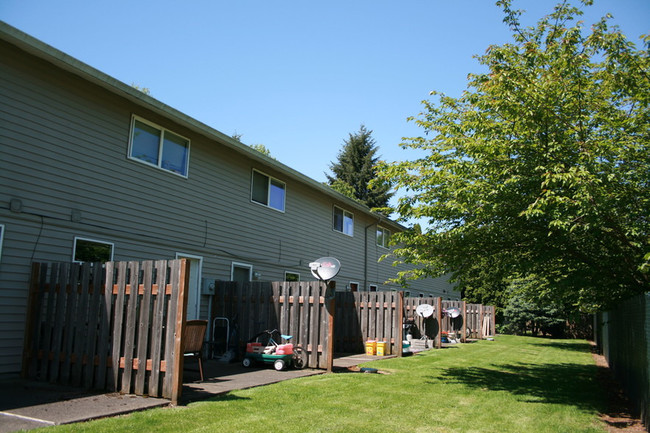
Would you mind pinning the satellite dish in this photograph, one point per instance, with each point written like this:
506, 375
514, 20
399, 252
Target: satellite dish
325, 268
452, 312
424, 310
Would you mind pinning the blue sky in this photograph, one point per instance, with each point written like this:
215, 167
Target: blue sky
296, 76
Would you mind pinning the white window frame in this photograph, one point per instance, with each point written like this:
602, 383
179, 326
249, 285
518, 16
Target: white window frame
270, 179
135, 118
385, 236
355, 284
241, 265
293, 273
373, 288
345, 214
2, 236
80, 238
197, 279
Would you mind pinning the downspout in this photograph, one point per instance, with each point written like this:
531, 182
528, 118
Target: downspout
365, 253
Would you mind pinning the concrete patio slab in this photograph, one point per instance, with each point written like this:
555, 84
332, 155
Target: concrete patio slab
26, 405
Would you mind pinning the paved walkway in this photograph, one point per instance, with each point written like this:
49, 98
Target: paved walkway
27, 405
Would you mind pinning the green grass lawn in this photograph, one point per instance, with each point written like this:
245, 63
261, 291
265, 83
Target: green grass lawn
512, 384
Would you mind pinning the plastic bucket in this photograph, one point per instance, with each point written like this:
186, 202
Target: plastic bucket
381, 348
371, 346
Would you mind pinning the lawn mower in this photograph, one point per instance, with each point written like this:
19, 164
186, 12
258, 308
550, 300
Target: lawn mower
263, 348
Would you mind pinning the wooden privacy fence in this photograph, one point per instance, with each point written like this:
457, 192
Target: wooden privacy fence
301, 309
113, 327
119, 326
388, 316
307, 311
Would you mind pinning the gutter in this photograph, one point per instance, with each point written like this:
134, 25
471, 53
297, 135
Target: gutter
365, 251
68, 63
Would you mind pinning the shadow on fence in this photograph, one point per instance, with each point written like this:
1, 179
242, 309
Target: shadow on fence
623, 337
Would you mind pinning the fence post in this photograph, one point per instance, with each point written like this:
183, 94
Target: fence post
177, 378
439, 318
330, 305
32, 308
400, 323
463, 329
493, 320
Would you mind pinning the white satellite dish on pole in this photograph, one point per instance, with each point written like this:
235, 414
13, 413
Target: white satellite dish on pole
452, 312
424, 310
325, 268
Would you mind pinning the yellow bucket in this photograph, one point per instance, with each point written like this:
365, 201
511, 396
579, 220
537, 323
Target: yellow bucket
371, 345
381, 348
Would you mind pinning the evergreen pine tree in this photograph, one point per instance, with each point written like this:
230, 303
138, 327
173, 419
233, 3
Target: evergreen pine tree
356, 168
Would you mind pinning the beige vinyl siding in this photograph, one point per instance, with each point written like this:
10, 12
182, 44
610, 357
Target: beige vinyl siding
63, 147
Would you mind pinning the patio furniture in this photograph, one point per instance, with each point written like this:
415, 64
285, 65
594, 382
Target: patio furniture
193, 337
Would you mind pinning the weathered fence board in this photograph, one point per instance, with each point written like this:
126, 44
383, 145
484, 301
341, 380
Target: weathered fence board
115, 326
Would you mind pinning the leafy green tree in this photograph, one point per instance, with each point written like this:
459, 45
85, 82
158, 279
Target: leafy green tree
526, 312
144, 90
261, 149
344, 188
258, 147
356, 168
541, 166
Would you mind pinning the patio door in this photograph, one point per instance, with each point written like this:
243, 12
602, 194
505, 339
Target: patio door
194, 289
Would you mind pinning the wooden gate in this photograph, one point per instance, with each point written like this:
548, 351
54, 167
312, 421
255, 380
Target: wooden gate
116, 326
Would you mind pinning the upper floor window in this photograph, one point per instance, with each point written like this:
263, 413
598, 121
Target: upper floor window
159, 147
343, 221
383, 237
88, 250
268, 191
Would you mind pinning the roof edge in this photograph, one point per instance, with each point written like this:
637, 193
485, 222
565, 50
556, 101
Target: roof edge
60, 59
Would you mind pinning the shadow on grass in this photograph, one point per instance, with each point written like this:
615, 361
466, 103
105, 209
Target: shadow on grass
565, 384
194, 395
576, 346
